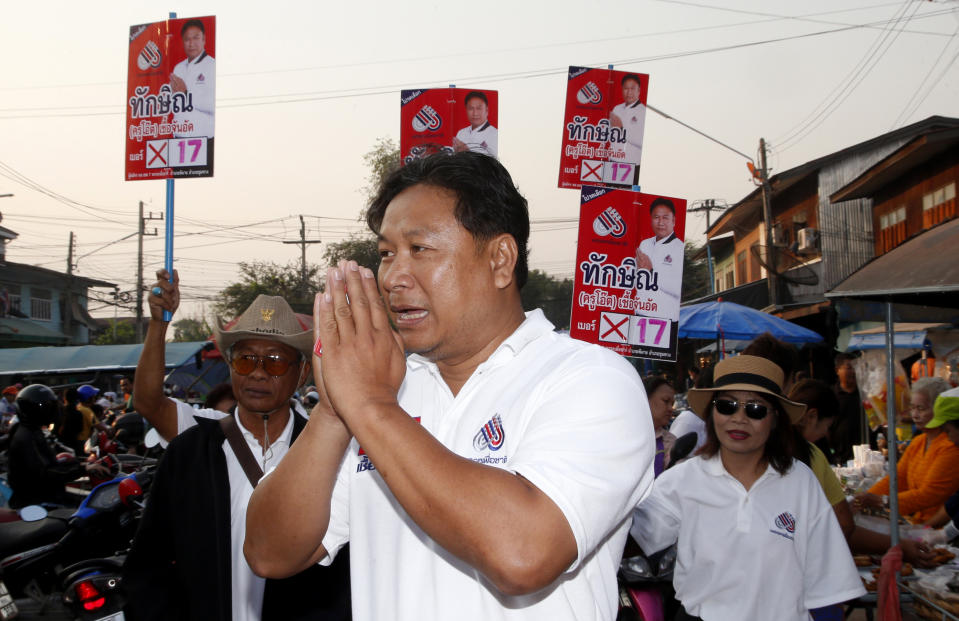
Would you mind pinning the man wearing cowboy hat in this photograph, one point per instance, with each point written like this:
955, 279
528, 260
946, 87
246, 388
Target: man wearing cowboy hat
193, 529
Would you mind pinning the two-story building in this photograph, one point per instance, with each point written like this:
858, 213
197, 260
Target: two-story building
40, 306
821, 235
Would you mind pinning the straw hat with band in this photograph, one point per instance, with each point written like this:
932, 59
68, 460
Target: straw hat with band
945, 409
745, 373
269, 317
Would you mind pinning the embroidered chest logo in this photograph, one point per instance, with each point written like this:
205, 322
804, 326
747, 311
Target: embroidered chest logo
490, 435
668, 260
201, 79
786, 521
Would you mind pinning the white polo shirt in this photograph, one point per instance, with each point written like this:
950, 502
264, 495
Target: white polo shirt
200, 79
484, 139
667, 257
247, 595
570, 417
773, 552
634, 121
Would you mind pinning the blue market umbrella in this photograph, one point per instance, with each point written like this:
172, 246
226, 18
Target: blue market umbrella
728, 320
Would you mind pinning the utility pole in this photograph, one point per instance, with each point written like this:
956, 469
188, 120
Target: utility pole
708, 205
140, 233
68, 305
768, 223
302, 243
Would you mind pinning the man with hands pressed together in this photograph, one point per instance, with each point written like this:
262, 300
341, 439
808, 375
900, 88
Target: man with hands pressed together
491, 474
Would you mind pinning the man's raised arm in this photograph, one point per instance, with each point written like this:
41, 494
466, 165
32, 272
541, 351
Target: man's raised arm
148, 397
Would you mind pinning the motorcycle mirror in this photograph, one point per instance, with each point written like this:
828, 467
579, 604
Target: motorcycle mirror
32, 513
152, 438
129, 488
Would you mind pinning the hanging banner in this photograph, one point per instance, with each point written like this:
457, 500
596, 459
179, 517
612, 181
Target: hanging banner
629, 272
171, 97
448, 119
603, 128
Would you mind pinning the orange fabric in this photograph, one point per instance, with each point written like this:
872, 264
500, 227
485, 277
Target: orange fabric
917, 370
926, 477
888, 591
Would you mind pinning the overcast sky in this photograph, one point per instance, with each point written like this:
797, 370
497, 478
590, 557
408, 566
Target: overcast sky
306, 88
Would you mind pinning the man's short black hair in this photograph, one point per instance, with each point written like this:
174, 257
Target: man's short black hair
662, 202
633, 77
190, 23
476, 95
487, 201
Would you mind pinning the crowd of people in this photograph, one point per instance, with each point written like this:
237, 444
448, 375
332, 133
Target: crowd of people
453, 456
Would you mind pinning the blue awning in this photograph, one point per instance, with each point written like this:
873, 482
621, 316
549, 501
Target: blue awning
86, 358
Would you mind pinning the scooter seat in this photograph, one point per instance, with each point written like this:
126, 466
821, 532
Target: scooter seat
21, 536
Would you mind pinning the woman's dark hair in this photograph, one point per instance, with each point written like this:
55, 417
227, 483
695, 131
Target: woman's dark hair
652, 383
218, 393
780, 449
487, 202
816, 394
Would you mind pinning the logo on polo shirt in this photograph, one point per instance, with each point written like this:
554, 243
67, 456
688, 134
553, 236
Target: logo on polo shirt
427, 119
490, 436
668, 260
785, 525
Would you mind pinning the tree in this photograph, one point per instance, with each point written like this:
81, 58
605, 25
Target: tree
190, 329
383, 159
117, 333
262, 277
695, 273
360, 247
554, 296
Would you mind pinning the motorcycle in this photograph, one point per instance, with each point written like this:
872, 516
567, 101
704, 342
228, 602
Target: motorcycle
46, 549
645, 582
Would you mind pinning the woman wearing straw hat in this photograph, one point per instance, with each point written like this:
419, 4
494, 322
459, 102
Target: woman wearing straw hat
757, 538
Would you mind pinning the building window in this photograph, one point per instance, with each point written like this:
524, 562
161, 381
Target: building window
730, 277
939, 205
41, 304
11, 297
741, 268
892, 229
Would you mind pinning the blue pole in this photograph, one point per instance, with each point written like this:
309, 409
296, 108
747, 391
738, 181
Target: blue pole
168, 246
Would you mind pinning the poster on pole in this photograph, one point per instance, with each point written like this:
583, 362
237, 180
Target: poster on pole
603, 128
629, 272
171, 97
448, 119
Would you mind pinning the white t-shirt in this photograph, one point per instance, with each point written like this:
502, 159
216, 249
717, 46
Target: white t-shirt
687, 422
200, 79
667, 258
634, 121
247, 595
773, 552
484, 139
570, 417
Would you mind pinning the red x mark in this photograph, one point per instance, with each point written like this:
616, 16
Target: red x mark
614, 327
590, 171
157, 153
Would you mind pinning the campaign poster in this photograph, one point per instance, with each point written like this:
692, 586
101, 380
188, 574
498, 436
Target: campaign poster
629, 272
448, 120
603, 128
171, 98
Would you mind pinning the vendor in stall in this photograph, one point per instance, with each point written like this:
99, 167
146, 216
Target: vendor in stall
946, 417
928, 472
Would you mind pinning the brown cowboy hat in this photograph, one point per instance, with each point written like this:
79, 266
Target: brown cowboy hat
269, 317
745, 373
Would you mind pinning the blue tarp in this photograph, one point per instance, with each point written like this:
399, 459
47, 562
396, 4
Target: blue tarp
82, 358
728, 320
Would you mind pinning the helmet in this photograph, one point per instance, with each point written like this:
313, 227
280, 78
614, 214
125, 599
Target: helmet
87, 392
37, 405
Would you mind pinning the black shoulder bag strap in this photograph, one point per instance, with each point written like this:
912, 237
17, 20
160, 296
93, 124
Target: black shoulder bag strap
241, 449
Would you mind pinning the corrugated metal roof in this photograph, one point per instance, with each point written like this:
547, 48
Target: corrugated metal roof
38, 360
923, 270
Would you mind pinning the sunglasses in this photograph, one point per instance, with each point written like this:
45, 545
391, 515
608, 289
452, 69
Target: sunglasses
728, 407
274, 365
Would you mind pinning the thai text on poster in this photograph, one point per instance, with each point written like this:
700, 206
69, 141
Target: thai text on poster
171, 97
629, 272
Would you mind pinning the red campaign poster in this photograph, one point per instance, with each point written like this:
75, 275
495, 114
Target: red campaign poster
448, 119
603, 128
171, 97
629, 272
